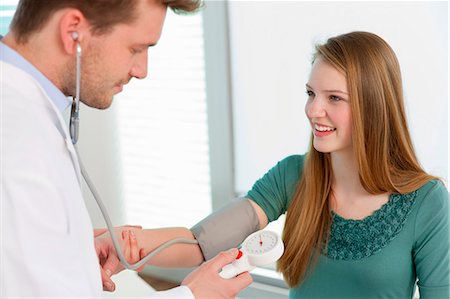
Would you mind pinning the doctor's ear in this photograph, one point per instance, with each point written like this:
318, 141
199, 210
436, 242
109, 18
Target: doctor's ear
72, 27
71, 41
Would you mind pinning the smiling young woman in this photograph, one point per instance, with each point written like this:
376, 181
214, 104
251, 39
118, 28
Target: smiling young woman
361, 158
364, 220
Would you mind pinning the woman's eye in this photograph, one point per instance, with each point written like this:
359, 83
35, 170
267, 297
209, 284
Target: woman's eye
309, 93
335, 98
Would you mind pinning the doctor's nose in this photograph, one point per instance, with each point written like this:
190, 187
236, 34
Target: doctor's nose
315, 108
139, 68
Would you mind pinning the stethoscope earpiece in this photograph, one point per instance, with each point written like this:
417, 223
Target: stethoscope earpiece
74, 114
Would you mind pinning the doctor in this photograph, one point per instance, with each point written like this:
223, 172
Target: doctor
47, 247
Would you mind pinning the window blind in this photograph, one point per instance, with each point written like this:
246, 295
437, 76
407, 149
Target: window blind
6, 14
163, 131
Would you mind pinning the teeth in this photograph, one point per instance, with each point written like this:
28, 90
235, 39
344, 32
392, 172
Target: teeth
323, 128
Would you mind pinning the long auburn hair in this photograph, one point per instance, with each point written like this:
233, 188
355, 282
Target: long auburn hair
381, 142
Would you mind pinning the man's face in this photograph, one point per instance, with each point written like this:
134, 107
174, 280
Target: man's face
110, 61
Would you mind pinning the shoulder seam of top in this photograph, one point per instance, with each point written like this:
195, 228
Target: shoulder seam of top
435, 185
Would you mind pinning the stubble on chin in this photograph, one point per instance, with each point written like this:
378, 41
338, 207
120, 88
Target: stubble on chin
94, 91
97, 100
102, 105
67, 80
88, 94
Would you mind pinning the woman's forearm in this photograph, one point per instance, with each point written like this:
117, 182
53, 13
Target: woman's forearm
178, 255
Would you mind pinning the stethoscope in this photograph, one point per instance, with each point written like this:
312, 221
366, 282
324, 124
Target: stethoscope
259, 249
74, 132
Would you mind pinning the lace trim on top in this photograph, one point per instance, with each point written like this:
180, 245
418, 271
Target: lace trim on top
357, 239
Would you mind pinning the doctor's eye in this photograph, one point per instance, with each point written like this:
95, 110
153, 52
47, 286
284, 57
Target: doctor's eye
310, 93
136, 50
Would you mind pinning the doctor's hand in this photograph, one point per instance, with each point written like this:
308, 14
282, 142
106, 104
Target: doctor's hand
205, 281
107, 255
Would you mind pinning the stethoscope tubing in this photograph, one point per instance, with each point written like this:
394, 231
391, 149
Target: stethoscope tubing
74, 130
115, 242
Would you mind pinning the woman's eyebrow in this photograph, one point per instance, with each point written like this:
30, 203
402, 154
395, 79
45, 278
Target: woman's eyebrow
329, 90
336, 90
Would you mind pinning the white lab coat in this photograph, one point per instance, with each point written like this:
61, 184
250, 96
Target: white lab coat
47, 247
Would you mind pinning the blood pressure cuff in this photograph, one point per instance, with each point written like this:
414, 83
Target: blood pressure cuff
226, 228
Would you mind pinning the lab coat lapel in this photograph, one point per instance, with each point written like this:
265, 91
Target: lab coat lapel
62, 126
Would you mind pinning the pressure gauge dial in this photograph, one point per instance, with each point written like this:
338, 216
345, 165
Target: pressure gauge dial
263, 247
259, 249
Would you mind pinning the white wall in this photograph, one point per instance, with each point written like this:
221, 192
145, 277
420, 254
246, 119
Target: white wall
271, 46
99, 149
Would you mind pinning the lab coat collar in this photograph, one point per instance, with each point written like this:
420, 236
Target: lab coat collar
57, 99
10, 56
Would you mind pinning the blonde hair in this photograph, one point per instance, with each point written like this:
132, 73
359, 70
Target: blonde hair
381, 141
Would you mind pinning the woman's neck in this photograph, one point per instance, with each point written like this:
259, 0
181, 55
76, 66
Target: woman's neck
349, 199
346, 173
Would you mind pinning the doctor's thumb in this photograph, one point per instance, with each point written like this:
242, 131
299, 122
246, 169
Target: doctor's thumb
111, 265
108, 284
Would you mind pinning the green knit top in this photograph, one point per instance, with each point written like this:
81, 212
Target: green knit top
403, 244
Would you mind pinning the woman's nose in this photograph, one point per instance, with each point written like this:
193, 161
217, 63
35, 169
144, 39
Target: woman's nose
315, 108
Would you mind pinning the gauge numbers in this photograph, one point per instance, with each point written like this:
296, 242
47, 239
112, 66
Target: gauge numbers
261, 243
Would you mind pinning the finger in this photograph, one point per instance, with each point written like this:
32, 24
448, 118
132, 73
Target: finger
223, 258
108, 284
101, 251
142, 254
134, 250
111, 264
98, 245
126, 245
133, 226
140, 269
99, 231
242, 281
131, 250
